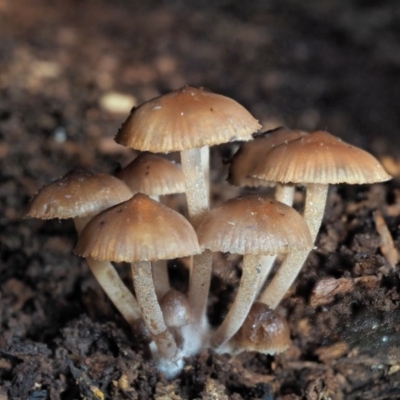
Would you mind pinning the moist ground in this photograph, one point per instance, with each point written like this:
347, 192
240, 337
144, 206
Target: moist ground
333, 65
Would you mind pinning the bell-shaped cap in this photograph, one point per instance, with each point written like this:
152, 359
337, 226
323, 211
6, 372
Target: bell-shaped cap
254, 224
252, 152
263, 331
79, 193
320, 158
139, 229
152, 174
184, 119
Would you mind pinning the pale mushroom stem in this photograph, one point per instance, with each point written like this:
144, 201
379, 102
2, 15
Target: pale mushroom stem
243, 301
161, 277
266, 263
284, 194
315, 207
195, 185
205, 161
284, 278
112, 284
313, 213
198, 206
151, 310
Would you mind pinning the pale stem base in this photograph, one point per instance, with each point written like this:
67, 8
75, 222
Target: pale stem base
242, 303
284, 278
112, 284
151, 311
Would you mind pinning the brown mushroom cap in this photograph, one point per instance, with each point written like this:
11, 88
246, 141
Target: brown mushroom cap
184, 119
139, 229
254, 224
263, 331
320, 158
252, 152
79, 193
152, 174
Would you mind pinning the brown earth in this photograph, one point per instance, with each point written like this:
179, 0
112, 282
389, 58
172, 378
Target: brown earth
332, 64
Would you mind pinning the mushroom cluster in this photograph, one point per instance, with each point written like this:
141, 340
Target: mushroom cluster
121, 219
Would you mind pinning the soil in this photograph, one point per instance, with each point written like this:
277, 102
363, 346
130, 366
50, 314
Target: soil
331, 64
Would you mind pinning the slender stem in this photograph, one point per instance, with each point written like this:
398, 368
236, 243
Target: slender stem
198, 206
151, 310
315, 206
117, 292
266, 263
112, 284
195, 185
284, 278
242, 303
160, 277
199, 284
284, 193
205, 162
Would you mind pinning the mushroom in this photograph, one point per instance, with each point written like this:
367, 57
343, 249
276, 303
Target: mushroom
263, 331
245, 161
254, 151
80, 195
186, 120
155, 176
139, 231
251, 225
316, 161
176, 311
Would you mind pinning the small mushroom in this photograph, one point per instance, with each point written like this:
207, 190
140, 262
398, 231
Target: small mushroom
245, 161
80, 195
316, 161
186, 120
139, 231
263, 331
177, 315
251, 225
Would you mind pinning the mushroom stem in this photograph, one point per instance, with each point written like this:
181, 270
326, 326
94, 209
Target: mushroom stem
196, 189
151, 310
199, 283
266, 263
284, 278
160, 277
198, 206
242, 303
284, 193
315, 206
205, 161
111, 283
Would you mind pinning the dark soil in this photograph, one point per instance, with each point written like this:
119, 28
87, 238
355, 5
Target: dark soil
331, 64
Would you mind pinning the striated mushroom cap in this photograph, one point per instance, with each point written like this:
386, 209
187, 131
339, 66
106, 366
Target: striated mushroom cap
320, 158
79, 193
184, 119
263, 331
252, 152
152, 174
139, 229
254, 224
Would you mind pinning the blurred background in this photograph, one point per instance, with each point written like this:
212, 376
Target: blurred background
71, 70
